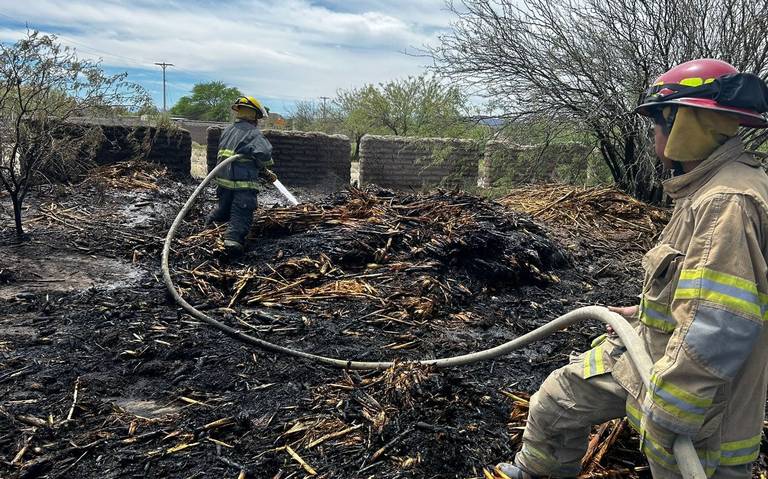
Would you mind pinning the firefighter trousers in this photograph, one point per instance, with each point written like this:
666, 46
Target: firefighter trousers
236, 207
562, 414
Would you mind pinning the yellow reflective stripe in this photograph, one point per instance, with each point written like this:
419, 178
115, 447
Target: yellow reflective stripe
598, 340
687, 408
680, 393
657, 315
724, 289
587, 368
724, 278
655, 306
654, 450
633, 415
599, 360
739, 460
545, 458
687, 82
648, 444
692, 82
226, 153
729, 455
689, 418
594, 363
721, 299
734, 453
238, 185
658, 454
656, 323
550, 462
734, 445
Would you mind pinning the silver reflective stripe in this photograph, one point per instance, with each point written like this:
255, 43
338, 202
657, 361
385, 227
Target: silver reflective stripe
547, 461
685, 406
721, 340
720, 288
747, 451
661, 317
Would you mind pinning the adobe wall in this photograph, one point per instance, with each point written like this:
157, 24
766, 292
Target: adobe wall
305, 159
118, 140
405, 162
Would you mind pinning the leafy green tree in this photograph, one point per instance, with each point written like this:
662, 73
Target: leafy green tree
307, 115
209, 101
414, 106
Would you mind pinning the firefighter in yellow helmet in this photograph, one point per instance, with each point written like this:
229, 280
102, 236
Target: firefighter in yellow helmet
240, 182
704, 300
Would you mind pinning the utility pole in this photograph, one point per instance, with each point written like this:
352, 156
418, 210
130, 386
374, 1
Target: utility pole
324, 98
164, 66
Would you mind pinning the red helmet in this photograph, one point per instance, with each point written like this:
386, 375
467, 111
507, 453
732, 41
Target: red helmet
694, 84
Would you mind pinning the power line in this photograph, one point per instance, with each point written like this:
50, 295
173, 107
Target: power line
324, 98
164, 66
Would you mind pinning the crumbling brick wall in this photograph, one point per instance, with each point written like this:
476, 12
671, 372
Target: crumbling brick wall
169, 147
404, 162
309, 159
110, 141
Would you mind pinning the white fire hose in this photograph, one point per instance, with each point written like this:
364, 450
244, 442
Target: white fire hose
687, 459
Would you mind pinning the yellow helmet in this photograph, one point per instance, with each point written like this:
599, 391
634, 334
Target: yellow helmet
249, 103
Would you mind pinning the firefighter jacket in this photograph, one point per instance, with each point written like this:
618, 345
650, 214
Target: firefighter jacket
243, 138
702, 313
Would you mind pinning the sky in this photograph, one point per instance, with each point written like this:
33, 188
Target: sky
279, 51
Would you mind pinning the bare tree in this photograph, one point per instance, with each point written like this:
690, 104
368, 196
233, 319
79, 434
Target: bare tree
585, 63
42, 86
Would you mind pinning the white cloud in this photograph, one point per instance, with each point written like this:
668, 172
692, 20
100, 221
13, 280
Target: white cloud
276, 48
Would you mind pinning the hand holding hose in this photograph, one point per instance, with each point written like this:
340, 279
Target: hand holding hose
269, 175
629, 313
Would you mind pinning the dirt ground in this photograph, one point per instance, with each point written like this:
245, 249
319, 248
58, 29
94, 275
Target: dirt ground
101, 375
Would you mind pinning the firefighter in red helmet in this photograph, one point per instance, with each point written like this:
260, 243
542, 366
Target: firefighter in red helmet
703, 305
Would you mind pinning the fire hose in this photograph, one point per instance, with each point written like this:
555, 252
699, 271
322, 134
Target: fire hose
687, 459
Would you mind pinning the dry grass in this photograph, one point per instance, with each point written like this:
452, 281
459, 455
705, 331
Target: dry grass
607, 218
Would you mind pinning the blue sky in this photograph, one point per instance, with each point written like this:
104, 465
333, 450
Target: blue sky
280, 51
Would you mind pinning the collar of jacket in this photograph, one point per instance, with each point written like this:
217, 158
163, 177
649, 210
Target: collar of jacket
687, 184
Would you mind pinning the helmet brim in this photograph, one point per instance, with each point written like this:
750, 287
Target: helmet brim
262, 111
747, 118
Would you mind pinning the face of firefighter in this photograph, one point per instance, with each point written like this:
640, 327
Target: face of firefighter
660, 141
